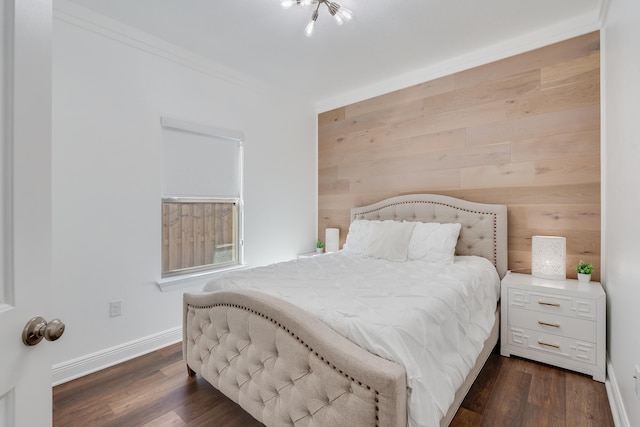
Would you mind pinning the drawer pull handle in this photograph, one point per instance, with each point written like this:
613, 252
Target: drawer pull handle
552, 304
547, 344
555, 325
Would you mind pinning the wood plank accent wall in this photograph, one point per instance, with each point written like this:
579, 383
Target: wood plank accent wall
523, 131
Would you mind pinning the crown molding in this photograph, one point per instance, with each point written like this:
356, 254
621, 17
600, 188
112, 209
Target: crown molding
604, 12
81, 17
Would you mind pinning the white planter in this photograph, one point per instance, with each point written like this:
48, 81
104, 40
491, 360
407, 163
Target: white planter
319, 250
584, 278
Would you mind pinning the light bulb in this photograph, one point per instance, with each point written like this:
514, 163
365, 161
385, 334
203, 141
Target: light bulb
346, 14
306, 2
308, 30
333, 11
286, 4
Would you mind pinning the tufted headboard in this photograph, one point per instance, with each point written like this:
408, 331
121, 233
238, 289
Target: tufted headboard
484, 226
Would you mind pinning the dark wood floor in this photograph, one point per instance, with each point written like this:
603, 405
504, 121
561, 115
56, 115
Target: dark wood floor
154, 390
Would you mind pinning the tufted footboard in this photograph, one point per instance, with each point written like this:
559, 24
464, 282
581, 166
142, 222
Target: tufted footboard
285, 367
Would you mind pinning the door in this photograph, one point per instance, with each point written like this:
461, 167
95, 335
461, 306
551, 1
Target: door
25, 178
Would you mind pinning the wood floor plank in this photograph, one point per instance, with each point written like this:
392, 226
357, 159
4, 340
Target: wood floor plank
174, 369
169, 400
170, 419
547, 397
205, 399
155, 391
79, 413
507, 404
466, 418
137, 395
586, 406
477, 397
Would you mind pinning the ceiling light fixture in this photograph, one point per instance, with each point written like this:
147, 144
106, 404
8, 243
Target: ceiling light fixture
339, 13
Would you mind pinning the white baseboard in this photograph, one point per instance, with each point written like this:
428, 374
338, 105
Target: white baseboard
81, 366
620, 418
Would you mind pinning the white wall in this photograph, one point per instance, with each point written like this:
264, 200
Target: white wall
108, 97
621, 152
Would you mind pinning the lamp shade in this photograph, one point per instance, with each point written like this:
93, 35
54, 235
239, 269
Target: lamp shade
331, 239
549, 257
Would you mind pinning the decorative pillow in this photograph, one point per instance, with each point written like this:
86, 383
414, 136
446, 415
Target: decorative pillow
389, 240
434, 242
357, 236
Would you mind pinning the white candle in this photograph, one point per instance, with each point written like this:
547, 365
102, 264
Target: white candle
332, 239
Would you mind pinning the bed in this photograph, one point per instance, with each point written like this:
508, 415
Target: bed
283, 364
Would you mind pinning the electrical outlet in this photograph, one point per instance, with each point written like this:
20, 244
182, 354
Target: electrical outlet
636, 378
115, 308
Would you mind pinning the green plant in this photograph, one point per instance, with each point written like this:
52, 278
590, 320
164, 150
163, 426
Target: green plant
584, 268
319, 244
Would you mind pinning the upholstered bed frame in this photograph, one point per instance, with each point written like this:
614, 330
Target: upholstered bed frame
286, 367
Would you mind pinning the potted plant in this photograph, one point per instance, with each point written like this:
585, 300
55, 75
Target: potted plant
584, 271
319, 246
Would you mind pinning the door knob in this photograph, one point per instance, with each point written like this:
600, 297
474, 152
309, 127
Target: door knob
38, 328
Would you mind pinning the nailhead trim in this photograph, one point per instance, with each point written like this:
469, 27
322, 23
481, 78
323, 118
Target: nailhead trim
264, 316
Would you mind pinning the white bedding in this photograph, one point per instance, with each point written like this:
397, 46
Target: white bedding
431, 318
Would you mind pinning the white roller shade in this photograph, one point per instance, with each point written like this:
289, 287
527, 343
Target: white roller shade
200, 161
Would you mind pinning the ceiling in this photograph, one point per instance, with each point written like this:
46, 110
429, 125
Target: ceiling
386, 37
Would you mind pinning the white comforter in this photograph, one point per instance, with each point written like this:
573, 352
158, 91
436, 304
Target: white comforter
431, 318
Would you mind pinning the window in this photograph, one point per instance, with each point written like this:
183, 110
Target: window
201, 198
198, 234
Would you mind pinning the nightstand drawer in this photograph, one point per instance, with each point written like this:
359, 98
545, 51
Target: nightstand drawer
570, 327
557, 346
551, 303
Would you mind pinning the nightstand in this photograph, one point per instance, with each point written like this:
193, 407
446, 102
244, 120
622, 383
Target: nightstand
559, 322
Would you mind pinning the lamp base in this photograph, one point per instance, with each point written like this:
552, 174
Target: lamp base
549, 276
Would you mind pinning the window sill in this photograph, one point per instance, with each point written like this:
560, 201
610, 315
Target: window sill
192, 280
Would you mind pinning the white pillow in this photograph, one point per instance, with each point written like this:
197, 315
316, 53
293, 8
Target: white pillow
434, 242
357, 236
389, 240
